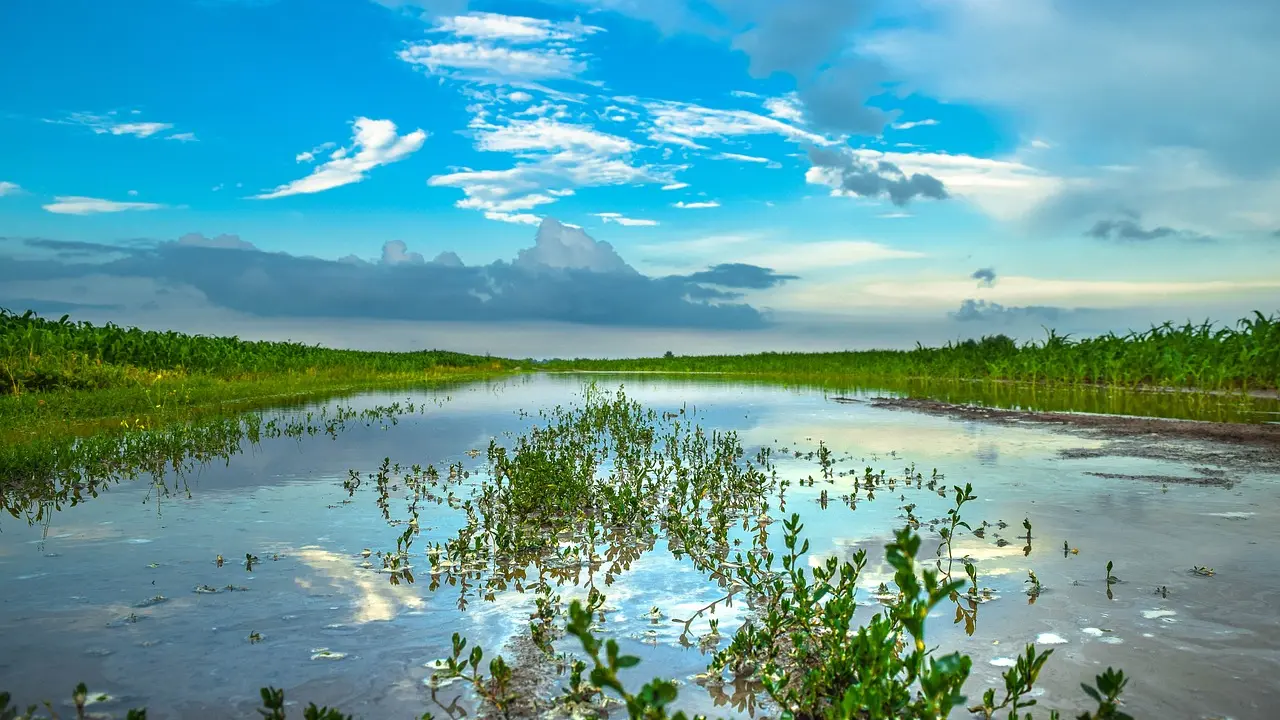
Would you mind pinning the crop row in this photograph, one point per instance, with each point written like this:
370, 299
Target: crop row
38, 353
1243, 356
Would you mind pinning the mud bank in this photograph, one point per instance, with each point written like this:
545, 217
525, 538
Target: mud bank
1225, 445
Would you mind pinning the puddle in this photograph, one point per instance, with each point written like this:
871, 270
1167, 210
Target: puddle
124, 591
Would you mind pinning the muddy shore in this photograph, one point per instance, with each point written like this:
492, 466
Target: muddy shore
1219, 446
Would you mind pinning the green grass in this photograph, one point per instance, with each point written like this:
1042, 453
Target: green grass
1245, 356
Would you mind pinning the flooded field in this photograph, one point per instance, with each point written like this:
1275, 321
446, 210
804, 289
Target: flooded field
323, 564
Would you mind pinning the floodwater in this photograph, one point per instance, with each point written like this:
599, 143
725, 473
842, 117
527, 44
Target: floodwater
124, 591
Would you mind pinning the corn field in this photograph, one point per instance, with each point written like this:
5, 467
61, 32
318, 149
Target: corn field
1244, 356
41, 354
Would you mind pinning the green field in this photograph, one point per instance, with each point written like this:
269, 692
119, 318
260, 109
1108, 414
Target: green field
56, 374
1245, 356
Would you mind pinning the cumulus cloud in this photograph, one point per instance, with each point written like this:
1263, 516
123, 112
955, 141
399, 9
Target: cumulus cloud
696, 205
986, 277
873, 179
565, 276
80, 205
675, 186
395, 252
564, 247
9, 188
374, 143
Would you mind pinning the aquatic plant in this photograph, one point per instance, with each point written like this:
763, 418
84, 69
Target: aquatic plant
46, 474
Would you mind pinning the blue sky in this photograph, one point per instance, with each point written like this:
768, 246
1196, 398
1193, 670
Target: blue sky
1110, 167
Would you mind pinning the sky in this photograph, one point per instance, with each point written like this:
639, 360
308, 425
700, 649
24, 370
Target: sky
613, 177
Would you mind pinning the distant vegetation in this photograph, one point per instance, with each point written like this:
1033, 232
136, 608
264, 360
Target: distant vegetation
54, 371
38, 354
1245, 357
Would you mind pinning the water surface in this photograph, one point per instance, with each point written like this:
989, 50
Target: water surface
125, 593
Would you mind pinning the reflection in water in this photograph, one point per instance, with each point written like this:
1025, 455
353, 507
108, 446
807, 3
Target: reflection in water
82, 578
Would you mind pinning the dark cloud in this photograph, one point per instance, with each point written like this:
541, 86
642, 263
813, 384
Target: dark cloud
740, 275
1129, 228
567, 276
65, 249
793, 37
876, 179
836, 99
980, 310
810, 40
986, 277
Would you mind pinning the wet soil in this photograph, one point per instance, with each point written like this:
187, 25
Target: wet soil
1225, 445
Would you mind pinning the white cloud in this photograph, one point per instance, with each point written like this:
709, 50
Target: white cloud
675, 186
1023, 290
696, 205
183, 137
517, 218
785, 108
490, 63
520, 96
747, 159
111, 124
555, 157
914, 124
132, 193
512, 28
374, 143
79, 205
307, 156
1052, 66
797, 257
689, 121
619, 218
9, 188
665, 138
546, 135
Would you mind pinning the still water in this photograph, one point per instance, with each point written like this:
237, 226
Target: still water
125, 591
